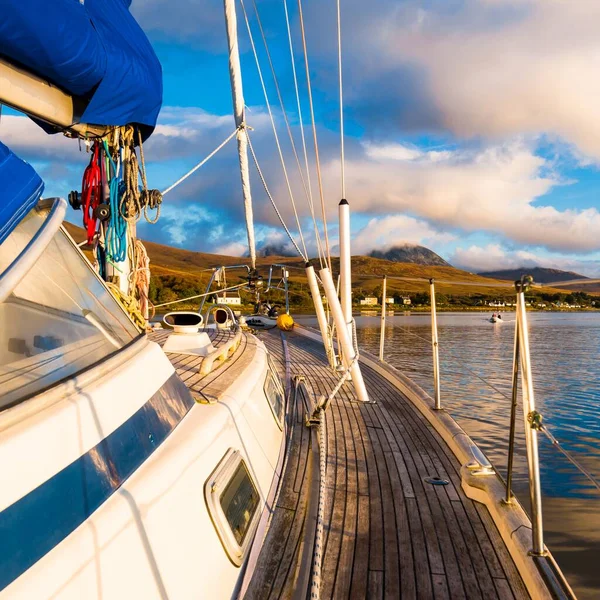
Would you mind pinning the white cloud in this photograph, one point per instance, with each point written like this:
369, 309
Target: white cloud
395, 230
232, 249
493, 257
404, 153
498, 68
31, 142
495, 189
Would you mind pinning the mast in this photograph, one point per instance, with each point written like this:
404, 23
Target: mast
239, 112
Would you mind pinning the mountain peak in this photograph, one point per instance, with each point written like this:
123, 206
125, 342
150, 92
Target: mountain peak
539, 274
411, 253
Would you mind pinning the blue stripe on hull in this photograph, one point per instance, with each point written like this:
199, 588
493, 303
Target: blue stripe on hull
39, 521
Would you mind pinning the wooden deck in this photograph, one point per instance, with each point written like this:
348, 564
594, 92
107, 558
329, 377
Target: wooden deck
388, 533
206, 388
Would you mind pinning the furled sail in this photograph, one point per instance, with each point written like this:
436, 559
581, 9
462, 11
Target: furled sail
93, 50
20, 189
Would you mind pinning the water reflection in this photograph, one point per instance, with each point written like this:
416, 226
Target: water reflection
476, 369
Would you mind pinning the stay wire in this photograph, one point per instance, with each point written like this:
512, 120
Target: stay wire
304, 176
314, 129
282, 160
311, 203
200, 164
260, 174
342, 153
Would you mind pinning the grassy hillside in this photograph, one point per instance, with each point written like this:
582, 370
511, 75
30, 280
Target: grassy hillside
178, 273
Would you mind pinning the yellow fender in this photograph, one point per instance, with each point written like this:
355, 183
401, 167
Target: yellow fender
285, 322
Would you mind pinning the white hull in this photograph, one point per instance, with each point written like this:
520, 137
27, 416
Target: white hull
151, 536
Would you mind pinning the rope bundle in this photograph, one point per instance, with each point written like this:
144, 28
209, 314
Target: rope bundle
91, 192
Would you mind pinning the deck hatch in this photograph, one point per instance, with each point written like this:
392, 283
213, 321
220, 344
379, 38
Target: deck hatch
233, 502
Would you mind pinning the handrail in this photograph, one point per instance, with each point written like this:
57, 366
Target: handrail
533, 419
435, 348
210, 282
27, 258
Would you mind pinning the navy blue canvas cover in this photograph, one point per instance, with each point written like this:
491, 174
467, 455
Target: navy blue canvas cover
20, 189
95, 50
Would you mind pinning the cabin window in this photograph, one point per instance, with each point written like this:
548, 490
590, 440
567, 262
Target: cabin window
275, 394
58, 320
233, 501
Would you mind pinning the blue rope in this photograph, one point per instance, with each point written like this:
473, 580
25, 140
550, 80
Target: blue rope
116, 231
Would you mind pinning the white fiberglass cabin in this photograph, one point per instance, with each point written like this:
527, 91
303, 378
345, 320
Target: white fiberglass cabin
118, 480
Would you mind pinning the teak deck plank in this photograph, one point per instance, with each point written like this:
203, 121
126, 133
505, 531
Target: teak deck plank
423, 541
276, 570
387, 533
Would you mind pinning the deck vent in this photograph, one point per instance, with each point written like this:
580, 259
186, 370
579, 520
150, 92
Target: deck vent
436, 481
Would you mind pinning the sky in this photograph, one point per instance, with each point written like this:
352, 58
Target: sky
471, 127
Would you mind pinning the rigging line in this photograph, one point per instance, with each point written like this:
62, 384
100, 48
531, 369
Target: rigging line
227, 289
314, 128
284, 112
311, 203
305, 257
342, 154
201, 163
264, 89
465, 367
556, 444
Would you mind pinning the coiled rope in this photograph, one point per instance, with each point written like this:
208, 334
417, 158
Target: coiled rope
140, 278
91, 192
116, 231
129, 304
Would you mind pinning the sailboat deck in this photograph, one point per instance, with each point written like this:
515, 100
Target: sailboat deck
388, 533
207, 387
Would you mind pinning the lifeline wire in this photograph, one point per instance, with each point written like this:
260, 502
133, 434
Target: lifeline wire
264, 89
555, 443
227, 289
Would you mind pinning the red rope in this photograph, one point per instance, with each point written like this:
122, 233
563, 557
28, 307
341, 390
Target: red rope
91, 193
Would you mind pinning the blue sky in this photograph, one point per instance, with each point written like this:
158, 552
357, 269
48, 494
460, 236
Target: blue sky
471, 127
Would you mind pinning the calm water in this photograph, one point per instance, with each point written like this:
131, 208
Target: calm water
476, 369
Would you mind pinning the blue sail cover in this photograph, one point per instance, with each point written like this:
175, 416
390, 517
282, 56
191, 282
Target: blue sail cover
20, 189
94, 50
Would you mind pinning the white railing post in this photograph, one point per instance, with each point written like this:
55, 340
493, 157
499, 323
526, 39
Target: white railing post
435, 349
321, 317
349, 354
382, 324
533, 421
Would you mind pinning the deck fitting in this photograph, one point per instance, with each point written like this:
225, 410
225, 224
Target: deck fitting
436, 481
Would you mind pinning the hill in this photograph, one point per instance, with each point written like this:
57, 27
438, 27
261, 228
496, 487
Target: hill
179, 273
411, 253
539, 274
